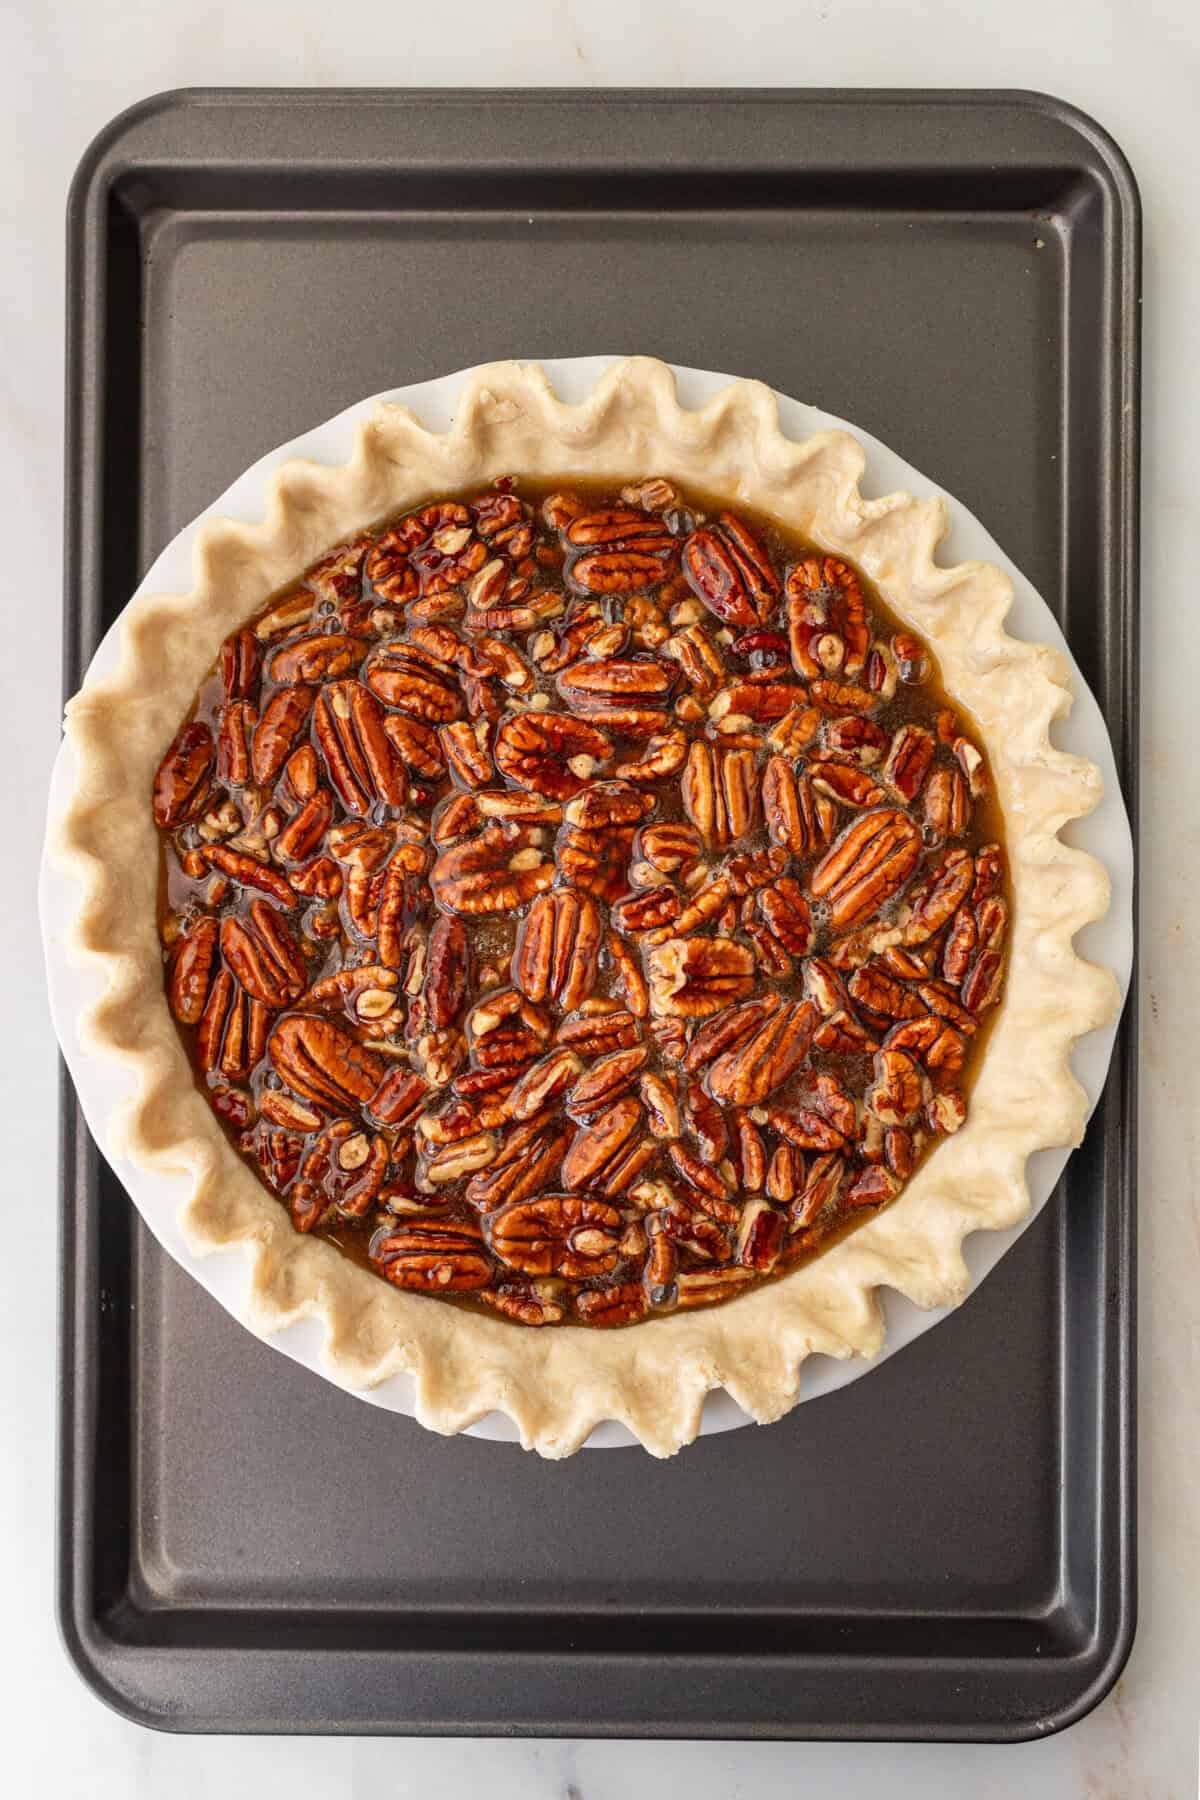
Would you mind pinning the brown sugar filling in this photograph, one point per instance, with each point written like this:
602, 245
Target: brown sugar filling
581, 902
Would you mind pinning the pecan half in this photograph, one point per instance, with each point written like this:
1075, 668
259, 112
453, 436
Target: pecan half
606, 803
595, 1034
762, 702
362, 764
670, 848
264, 956
345, 1168
543, 1082
406, 678
558, 1234
628, 982
657, 907
908, 761
860, 739
946, 804
184, 779
605, 1081
846, 783
662, 755
321, 1062
447, 1256
706, 1121
447, 973
465, 748
283, 719
236, 733
795, 731
696, 977
827, 618
318, 658
699, 659
558, 951
702, 1287
527, 1162
728, 569
620, 1305
747, 1075
940, 895
190, 969
874, 1187
867, 866
241, 664
304, 833
496, 871
550, 753
895, 1096
612, 681
597, 1145
877, 992
760, 1237
417, 745
820, 1188
597, 861
249, 872
788, 915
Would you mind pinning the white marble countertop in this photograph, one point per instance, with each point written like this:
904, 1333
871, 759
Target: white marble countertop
66, 66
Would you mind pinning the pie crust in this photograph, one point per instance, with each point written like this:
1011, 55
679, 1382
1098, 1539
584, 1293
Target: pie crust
557, 1385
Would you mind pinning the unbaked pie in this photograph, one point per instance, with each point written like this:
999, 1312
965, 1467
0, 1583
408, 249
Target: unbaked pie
599, 867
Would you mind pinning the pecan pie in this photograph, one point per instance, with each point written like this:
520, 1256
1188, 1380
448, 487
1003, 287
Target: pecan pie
587, 900
584, 901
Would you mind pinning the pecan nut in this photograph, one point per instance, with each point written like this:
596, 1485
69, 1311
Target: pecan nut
497, 871
747, 1075
282, 720
183, 782
345, 1168
558, 951
558, 1234
264, 956
414, 683
596, 1146
728, 569
908, 761
318, 658
696, 977
867, 866
611, 681
359, 756
550, 753
827, 618
321, 1062
787, 915
190, 970
447, 1256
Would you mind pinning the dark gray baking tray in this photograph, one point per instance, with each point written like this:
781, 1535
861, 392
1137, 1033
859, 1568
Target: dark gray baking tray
943, 1550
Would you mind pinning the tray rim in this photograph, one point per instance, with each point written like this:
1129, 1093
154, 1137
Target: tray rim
98, 1656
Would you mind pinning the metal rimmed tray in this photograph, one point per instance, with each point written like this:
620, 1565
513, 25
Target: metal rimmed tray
943, 1550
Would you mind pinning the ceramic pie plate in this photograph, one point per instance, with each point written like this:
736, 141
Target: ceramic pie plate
102, 1084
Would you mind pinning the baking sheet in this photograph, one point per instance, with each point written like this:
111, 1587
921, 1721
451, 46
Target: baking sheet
1044, 1574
